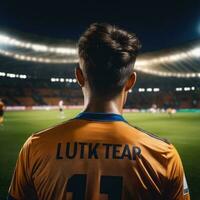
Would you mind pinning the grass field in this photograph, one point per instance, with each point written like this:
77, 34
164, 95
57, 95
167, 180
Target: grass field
183, 130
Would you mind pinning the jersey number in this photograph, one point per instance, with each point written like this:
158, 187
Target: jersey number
110, 185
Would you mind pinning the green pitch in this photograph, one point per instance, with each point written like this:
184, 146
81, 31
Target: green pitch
182, 129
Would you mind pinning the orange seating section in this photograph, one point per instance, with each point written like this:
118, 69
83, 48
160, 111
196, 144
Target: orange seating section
26, 101
70, 96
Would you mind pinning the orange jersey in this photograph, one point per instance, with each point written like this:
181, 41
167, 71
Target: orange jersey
98, 156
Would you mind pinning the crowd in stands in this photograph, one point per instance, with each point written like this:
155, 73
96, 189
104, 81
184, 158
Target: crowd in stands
164, 99
73, 96
40, 96
42, 92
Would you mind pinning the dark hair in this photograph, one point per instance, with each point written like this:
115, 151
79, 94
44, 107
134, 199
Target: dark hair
108, 55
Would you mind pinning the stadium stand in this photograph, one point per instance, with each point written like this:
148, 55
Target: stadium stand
166, 78
40, 93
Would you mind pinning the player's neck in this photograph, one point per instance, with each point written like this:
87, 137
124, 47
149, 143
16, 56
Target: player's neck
102, 106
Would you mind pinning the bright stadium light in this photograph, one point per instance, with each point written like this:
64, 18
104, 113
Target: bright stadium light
22, 76
195, 52
168, 74
187, 88
62, 79
141, 90
179, 89
2, 74
12, 75
145, 65
44, 53
156, 89
37, 59
37, 47
149, 89
4, 39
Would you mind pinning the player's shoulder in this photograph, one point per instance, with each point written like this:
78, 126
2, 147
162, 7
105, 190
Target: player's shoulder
54, 131
146, 134
152, 136
152, 145
148, 140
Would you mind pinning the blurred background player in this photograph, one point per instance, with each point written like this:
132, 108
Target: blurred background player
153, 108
2, 106
61, 108
171, 111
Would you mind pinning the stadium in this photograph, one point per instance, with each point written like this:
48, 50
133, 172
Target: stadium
173, 72
36, 76
39, 89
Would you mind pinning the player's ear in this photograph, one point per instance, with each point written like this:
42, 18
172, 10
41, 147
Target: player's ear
79, 76
131, 81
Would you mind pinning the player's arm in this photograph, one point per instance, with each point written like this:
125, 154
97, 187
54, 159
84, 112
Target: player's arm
177, 188
22, 187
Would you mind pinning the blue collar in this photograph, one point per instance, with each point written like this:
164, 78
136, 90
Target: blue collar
107, 117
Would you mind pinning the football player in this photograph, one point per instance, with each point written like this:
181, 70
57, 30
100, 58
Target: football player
98, 155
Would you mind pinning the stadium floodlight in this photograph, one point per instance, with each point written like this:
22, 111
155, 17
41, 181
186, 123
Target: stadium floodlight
37, 59
75, 60
167, 74
156, 89
141, 62
2, 74
22, 76
193, 88
4, 39
179, 89
149, 89
69, 80
141, 90
55, 55
37, 47
130, 91
187, 88
195, 52
168, 58
12, 75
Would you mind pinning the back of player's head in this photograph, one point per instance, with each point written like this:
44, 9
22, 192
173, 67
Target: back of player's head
108, 54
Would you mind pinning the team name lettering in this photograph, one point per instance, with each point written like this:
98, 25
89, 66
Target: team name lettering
83, 150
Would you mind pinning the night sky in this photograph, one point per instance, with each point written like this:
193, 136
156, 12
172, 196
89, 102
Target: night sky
158, 24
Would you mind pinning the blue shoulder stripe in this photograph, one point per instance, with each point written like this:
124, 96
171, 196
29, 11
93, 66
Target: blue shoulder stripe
106, 117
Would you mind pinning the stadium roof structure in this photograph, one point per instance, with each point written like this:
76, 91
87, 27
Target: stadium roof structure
182, 61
